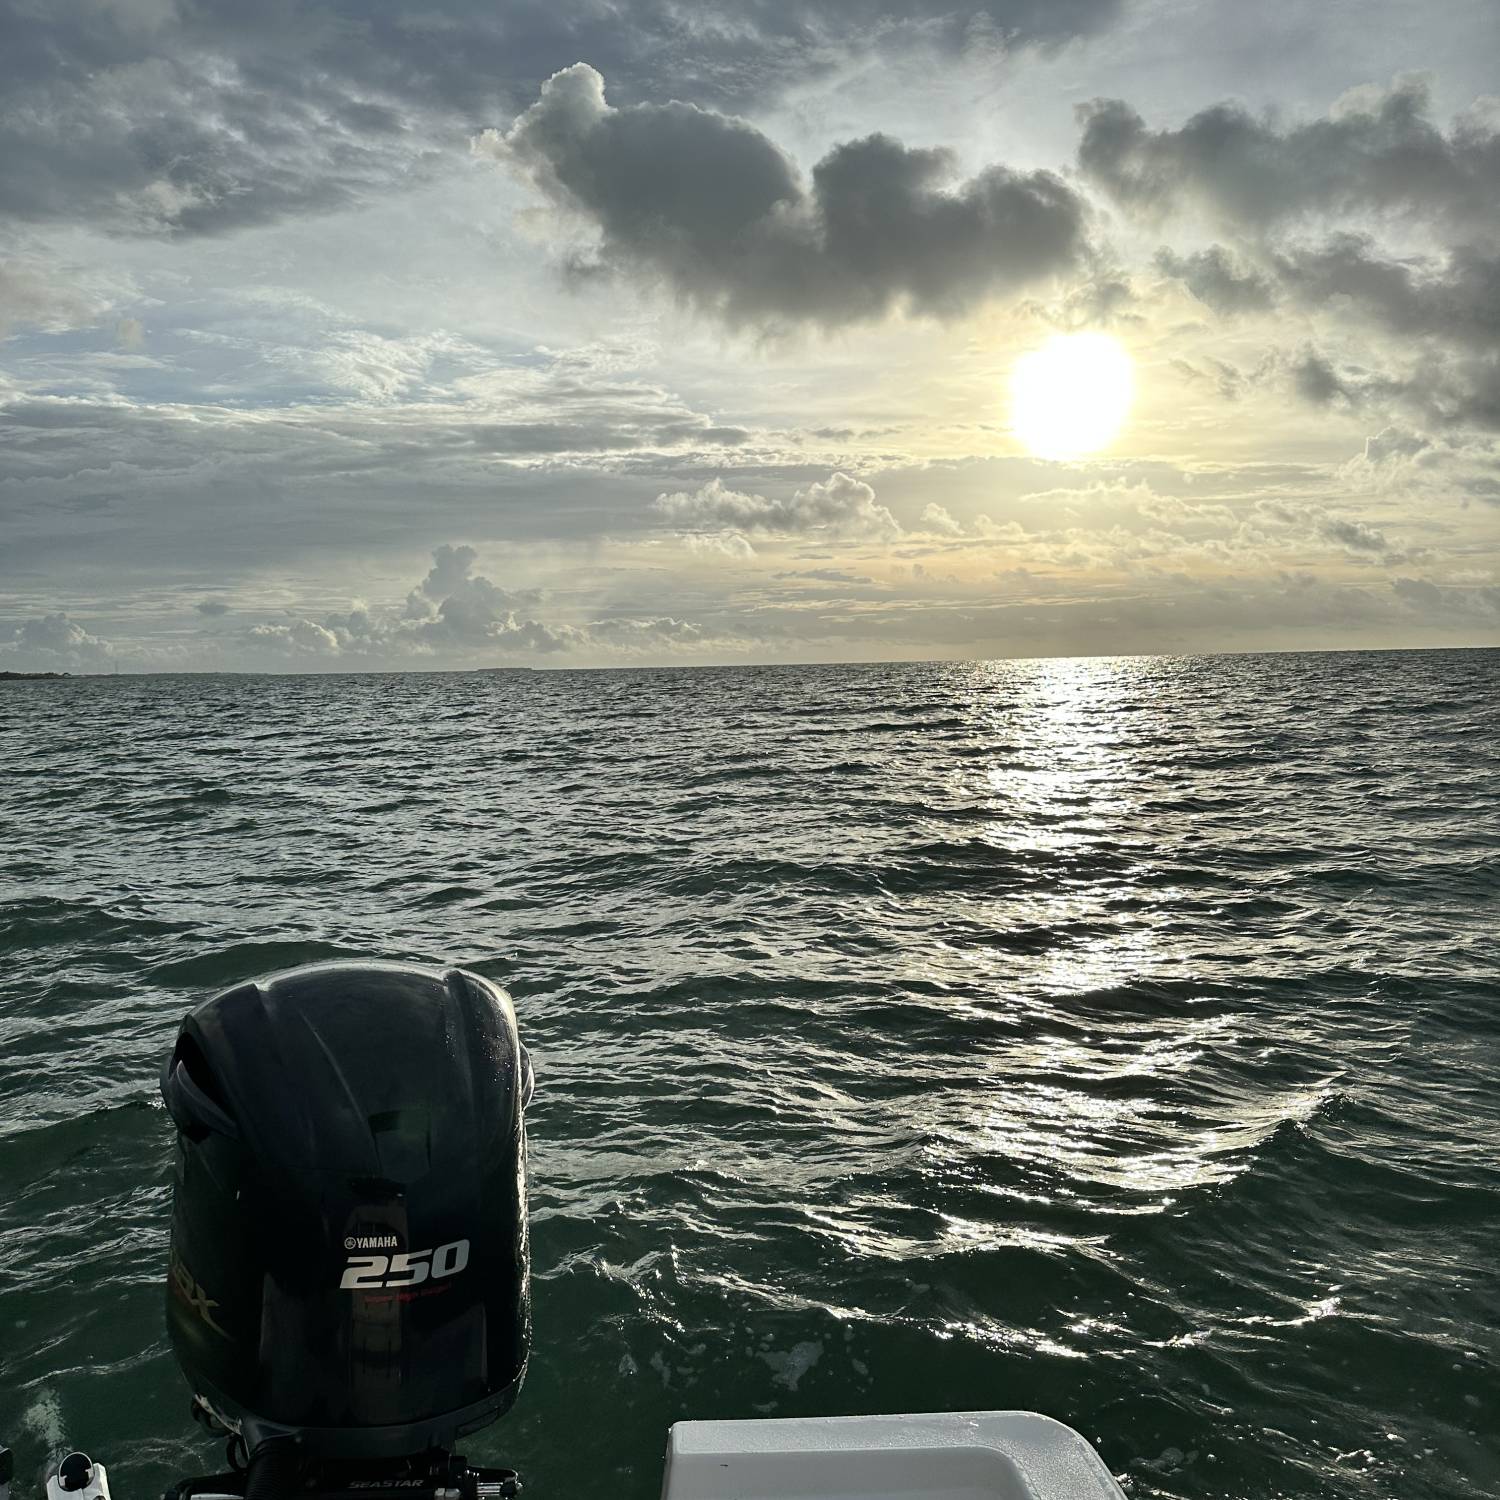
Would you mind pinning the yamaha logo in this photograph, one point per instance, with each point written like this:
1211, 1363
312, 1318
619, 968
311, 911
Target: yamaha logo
371, 1242
369, 1273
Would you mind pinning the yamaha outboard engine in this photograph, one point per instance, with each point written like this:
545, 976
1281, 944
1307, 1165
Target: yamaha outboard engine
349, 1284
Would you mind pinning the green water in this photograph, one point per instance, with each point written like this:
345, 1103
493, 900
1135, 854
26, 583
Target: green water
1119, 1039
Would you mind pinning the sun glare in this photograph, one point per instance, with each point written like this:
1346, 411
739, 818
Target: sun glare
1071, 396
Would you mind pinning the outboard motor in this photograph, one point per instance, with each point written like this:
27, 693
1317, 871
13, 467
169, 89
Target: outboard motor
349, 1287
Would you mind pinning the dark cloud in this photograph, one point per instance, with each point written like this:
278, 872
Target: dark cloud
1440, 388
710, 206
1218, 281
1456, 300
1315, 380
196, 116
1444, 309
1379, 152
213, 608
1357, 536
1377, 156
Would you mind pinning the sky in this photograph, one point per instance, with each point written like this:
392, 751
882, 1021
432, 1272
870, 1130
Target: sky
344, 335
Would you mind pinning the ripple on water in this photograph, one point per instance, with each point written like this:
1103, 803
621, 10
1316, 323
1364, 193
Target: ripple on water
1116, 1038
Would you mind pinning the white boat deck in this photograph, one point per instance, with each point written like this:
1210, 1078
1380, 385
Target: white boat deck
980, 1455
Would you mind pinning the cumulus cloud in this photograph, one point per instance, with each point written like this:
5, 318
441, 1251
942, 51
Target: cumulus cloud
937, 518
1377, 151
456, 615
450, 570
838, 506
733, 544
1401, 461
53, 643
454, 611
711, 207
297, 637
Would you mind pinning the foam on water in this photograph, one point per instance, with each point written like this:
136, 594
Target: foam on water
1112, 1038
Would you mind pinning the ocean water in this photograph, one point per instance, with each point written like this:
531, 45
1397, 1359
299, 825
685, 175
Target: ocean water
1116, 1038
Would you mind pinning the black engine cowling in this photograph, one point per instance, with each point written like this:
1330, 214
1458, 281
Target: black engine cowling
349, 1259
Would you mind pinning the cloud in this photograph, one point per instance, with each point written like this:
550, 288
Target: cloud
644, 636
1456, 300
297, 637
1440, 388
1316, 381
54, 642
1400, 461
936, 518
450, 574
1377, 151
192, 117
839, 506
1463, 601
453, 611
221, 479
824, 575
1357, 536
733, 544
37, 292
1353, 535
1130, 528
1376, 157
213, 608
712, 208
455, 607
1285, 193
1392, 443
459, 617
1217, 281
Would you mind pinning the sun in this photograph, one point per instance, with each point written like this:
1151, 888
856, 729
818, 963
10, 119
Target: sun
1071, 396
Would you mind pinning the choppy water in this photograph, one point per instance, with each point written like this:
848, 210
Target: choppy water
1115, 1038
